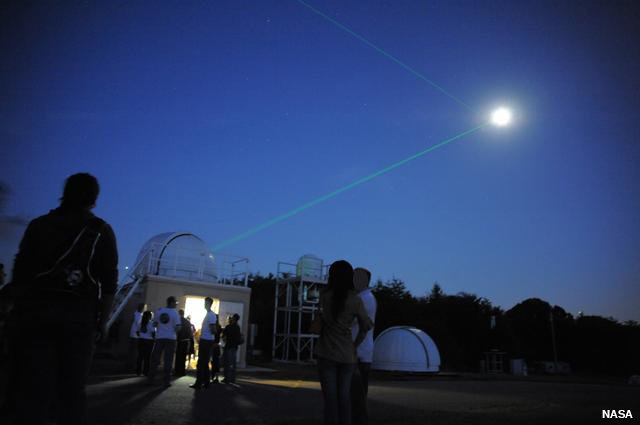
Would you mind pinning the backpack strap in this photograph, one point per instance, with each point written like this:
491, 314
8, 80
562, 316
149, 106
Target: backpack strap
95, 224
88, 236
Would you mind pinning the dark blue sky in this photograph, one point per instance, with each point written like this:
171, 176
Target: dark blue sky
213, 117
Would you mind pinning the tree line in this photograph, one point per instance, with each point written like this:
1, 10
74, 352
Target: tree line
464, 326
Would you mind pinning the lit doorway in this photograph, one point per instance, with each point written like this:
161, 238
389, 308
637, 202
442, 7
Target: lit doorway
194, 307
195, 312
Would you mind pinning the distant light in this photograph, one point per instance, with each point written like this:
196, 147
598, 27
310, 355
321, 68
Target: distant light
126, 267
501, 117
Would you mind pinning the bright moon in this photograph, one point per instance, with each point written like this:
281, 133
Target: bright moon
501, 117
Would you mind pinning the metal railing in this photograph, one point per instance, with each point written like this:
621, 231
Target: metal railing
193, 264
227, 270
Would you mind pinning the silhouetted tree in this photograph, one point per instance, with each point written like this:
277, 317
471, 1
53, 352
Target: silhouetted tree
396, 305
602, 345
460, 325
530, 330
436, 293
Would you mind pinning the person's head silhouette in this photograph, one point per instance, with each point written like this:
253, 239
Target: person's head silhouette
340, 276
80, 191
361, 279
340, 282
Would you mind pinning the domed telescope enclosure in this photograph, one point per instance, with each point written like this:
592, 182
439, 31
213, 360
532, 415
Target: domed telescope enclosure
405, 349
181, 265
177, 255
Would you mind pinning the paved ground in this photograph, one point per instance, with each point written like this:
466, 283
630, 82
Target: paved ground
292, 395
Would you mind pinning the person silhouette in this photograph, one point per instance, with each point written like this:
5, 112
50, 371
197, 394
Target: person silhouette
63, 283
133, 334
336, 351
182, 348
205, 344
360, 380
232, 339
146, 333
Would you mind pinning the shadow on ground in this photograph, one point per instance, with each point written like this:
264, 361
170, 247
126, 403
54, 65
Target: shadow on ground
289, 398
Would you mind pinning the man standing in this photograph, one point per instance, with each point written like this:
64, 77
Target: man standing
360, 378
64, 280
184, 339
232, 339
207, 335
167, 323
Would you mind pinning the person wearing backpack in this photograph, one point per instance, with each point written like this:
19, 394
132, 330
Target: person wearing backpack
64, 279
232, 339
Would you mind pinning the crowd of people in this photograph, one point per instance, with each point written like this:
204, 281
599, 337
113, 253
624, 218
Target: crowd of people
170, 336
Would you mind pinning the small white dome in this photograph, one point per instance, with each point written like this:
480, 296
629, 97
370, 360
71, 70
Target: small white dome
407, 349
177, 255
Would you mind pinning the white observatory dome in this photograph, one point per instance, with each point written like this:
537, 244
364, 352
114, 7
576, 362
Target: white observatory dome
407, 349
177, 255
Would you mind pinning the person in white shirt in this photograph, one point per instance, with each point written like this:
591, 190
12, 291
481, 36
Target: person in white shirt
205, 344
137, 318
146, 333
167, 323
360, 377
133, 336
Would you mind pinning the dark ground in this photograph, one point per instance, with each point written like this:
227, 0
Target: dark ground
291, 395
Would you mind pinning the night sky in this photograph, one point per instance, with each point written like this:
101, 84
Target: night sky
215, 116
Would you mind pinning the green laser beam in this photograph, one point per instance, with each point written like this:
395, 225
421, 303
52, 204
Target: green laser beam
386, 54
336, 192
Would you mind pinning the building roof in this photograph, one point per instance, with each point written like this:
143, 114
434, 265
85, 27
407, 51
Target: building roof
177, 255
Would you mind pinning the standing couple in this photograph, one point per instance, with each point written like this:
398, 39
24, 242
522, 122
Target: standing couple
345, 346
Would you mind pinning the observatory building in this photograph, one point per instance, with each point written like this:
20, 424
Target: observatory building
180, 264
405, 349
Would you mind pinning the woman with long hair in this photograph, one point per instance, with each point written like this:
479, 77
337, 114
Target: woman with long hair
146, 334
336, 351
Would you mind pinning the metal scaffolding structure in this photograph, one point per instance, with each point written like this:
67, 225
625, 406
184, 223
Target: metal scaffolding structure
296, 304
